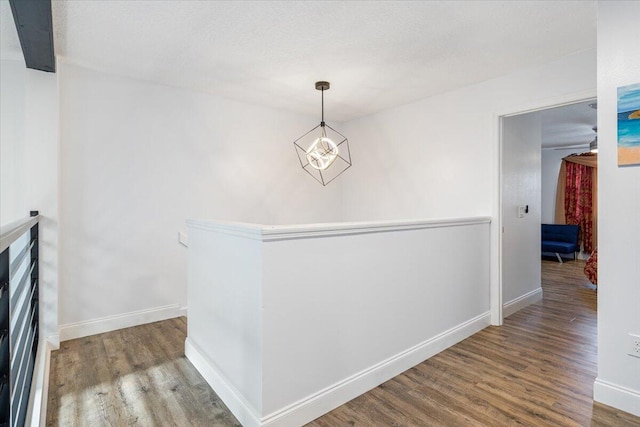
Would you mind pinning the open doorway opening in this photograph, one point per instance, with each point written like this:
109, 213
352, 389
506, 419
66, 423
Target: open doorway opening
546, 204
569, 179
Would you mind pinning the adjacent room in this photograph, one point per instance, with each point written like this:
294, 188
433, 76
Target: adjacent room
287, 213
549, 190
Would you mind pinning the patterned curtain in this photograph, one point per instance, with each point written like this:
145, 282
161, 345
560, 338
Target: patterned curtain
578, 202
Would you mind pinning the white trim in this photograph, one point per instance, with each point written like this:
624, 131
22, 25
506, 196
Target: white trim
313, 406
268, 233
240, 229
111, 323
617, 396
521, 302
54, 341
38, 395
323, 401
566, 147
495, 255
545, 104
239, 406
496, 307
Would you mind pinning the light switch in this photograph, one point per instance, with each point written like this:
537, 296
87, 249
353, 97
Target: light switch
521, 211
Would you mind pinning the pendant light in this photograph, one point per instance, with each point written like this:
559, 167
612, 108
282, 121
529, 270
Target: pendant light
323, 151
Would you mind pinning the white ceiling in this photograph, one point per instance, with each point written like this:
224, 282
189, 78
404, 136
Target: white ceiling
376, 54
568, 126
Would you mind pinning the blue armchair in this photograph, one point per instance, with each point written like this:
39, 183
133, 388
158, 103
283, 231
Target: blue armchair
560, 239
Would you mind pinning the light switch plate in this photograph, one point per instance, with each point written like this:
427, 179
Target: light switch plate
183, 238
521, 211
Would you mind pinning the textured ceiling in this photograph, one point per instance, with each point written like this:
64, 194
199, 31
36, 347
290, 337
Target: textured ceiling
375, 54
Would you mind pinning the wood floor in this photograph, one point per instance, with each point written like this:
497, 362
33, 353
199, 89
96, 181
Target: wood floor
131, 377
536, 370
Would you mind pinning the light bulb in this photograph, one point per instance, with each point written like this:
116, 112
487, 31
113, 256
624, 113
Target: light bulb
322, 153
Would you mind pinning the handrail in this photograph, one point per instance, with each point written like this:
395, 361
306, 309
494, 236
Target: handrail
19, 299
11, 232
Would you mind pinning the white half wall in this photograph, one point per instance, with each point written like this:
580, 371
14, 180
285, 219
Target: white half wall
289, 322
383, 301
139, 158
618, 381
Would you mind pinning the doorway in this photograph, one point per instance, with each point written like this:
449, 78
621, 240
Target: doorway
521, 205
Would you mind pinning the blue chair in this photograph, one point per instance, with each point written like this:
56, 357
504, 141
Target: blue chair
560, 239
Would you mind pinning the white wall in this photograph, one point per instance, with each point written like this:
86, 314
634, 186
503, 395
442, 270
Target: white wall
521, 184
618, 382
439, 157
41, 158
13, 205
551, 160
137, 159
29, 168
436, 157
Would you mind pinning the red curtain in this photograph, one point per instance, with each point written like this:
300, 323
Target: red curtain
578, 202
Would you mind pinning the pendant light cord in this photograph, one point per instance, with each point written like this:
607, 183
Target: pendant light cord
322, 107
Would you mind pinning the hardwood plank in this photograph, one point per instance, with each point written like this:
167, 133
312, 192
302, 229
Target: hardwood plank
131, 377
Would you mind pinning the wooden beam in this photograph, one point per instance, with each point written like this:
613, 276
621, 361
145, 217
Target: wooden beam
35, 31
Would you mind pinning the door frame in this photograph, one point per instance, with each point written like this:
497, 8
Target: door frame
496, 291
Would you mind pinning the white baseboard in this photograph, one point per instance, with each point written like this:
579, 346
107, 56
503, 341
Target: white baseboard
120, 321
323, 401
617, 396
521, 302
234, 400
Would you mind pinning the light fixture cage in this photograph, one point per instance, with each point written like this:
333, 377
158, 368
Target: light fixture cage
341, 163
323, 152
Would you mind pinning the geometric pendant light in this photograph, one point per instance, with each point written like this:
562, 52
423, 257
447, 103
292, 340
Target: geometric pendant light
323, 151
